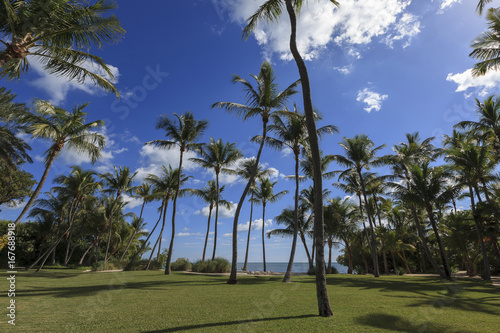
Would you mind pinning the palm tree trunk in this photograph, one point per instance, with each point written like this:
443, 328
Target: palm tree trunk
110, 227
349, 258
168, 270
38, 188
66, 257
486, 263
408, 271
288, 274
365, 263
248, 236
208, 232
442, 251
234, 260
87, 251
373, 247
216, 212
152, 253
324, 308
330, 245
263, 235
309, 259
129, 265
135, 231
386, 266
161, 230
393, 261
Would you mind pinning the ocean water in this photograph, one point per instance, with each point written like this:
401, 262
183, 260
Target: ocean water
298, 267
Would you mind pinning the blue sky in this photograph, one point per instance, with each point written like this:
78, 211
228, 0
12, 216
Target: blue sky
382, 67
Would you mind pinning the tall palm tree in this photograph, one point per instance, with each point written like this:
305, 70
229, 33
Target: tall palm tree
118, 182
142, 191
245, 170
59, 34
62, 129
480, 6
290, 131
485, 46
183, 132
264, 194
263, 101
217, 156
271, 11
211, 195
360, 155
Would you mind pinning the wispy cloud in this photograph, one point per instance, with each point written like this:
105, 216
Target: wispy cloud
372, 99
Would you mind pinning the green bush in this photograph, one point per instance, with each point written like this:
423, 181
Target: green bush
399, 271
218, 265
181, 264
334, 271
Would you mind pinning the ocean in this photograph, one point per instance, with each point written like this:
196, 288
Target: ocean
298, 267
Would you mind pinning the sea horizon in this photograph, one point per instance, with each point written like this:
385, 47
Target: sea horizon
277, 266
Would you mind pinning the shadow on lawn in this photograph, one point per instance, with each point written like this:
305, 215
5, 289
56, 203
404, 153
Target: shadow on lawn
227, 323
394, 323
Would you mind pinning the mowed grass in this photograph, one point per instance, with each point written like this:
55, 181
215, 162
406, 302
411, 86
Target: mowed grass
75, 301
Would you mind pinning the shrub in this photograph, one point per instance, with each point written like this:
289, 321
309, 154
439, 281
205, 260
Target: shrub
181, 264
334, 271
399, 271
218, 265
311, 271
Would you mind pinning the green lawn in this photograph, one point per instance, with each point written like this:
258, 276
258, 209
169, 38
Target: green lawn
71, 300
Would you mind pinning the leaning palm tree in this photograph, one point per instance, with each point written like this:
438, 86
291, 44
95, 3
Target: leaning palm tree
217, 156
264, 194
263, 101
290, 131
486, 45
59, 34
118, 183
62, 129
245, 170
480, 6
271, 11
359, 155
183, 132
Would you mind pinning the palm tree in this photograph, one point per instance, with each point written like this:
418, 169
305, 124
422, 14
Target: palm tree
211, 195
360, 154
480, 6
264, 194
485, 46
271, 11
291, 132
217, 156
118, 183
245, 170
183, 132
59, 34
62, 129
143, 191
263, 101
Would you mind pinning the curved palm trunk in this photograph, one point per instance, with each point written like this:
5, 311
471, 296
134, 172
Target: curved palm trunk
309, 259
152, 253
160, 236
263, 234
321, 292
168, 270
135, 232
486, 263
216, 212
38, 188
407, 268
248, 236
384, 253
208, 232
110, 227
442, 251
234, 260
373, 247
129, 265
288, 274
87, 251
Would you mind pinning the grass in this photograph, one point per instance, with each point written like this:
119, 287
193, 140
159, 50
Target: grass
140, 301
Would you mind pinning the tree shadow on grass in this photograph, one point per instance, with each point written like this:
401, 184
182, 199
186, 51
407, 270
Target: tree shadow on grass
398, 324
227, 323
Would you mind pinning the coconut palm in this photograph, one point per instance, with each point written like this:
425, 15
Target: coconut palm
62, 129
58, 33
217, 156
290, 131
271, 11
262, 100
480, 6
142, 191
118, 183
264, 194
245, 170
485, 46
360, 155
211, 195
182, 132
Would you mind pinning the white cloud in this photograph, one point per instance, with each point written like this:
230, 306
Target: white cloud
186, 234
353, 23
154, 158
372, 99
132, 202
480, 85
58, 86
223, 211
447, 4
344, 69
256, 225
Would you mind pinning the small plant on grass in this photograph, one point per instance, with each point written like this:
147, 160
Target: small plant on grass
218, 265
